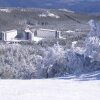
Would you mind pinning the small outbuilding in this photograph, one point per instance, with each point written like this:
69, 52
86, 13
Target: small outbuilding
8, 35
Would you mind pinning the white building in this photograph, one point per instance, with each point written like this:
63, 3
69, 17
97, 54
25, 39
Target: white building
9, 35
30, 35
47, 33
40, 34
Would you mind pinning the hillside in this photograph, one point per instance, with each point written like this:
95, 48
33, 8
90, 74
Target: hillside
11, 18
74, 53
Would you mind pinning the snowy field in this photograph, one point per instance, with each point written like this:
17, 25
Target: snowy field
49, 89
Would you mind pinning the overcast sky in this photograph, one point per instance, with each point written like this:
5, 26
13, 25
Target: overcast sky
75, 5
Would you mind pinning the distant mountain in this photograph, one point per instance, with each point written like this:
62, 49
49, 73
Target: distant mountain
91, 6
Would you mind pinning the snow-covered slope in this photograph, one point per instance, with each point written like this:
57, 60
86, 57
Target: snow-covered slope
51, 89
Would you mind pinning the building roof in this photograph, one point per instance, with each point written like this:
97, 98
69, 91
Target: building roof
10, 31
47, 29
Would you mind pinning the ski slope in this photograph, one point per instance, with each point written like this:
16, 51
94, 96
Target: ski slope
49, 89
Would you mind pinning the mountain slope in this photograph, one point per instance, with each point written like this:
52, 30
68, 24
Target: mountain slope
22, 17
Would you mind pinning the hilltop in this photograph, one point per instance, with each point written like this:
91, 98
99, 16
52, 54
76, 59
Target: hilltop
17, 18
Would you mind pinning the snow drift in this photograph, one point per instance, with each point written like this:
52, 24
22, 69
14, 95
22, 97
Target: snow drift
52, 89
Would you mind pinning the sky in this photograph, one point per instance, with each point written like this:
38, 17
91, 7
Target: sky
75, 5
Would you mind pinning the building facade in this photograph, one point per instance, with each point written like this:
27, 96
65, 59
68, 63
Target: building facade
8, 35
47, 33
30, 35
40, 34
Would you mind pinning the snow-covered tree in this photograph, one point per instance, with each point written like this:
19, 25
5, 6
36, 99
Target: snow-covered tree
93, 42
52, 62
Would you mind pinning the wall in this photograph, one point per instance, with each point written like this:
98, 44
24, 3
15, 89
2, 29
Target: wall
46, 33
28, 36
10, 35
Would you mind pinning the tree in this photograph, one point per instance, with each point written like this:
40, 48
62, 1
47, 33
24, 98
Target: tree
93, 42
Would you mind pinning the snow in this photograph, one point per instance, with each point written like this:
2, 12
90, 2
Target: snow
37, 39
53, 15
42, 15
70, 31
27, 30
5, 10
49, 14
49, 89
92, 42
79, 50
66, 10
